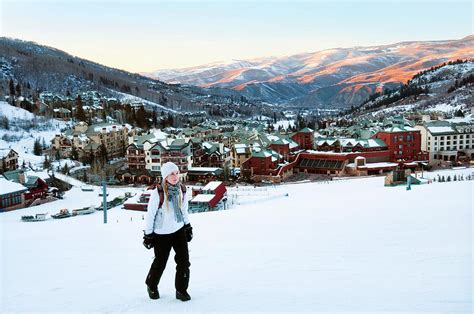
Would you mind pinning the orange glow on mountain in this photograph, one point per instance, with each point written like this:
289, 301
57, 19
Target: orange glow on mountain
243, 85
395, 63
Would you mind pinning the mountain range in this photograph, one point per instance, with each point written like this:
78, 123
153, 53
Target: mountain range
40, 68
339, 77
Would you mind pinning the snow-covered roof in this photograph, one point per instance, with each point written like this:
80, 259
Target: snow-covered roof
203, 169
211, 186
353, 142
378, 165
399, 129
108, 127
203, 198
7, 187
4, 152
440, 129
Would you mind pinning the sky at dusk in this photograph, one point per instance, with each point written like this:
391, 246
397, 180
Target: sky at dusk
143, 36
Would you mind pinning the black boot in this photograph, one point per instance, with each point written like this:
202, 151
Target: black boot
183, 296
153, 292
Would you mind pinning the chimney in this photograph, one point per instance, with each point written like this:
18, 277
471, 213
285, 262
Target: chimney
21, 177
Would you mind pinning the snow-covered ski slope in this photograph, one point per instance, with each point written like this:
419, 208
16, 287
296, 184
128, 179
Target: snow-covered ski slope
350, 246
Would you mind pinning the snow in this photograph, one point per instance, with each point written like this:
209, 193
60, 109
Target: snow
379, 165
211, 186
203, 169
444, 108
134, 99
339, 246
12, 112
285, 124
111, 127
10, 186
440, 129
203, 198
22, 140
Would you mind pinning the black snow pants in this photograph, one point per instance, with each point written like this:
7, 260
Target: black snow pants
163, 245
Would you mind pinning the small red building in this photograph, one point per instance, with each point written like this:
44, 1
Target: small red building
37, 188
282, 147
210, 196
305, 138
260, 163
404, 143
140, 201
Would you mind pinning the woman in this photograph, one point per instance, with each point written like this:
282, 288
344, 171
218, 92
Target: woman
167, 226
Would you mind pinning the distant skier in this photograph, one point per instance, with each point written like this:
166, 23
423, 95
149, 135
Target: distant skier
167, 226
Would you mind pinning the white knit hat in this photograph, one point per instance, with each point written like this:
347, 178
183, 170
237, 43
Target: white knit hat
167, 169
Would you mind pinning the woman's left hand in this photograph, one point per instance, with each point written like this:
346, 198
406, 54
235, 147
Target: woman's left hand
188, 230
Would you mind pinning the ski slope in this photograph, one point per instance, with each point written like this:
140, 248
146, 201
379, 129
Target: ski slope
348, 246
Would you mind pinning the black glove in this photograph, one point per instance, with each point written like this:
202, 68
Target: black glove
188, 230
149, 240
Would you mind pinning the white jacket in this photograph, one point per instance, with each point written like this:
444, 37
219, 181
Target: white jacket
163, 219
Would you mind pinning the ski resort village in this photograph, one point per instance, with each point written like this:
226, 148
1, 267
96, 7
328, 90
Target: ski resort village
316, 189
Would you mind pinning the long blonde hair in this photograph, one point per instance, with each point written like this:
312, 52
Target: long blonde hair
165, 190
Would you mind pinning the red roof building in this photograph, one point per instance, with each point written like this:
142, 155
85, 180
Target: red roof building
404, 143
209, 198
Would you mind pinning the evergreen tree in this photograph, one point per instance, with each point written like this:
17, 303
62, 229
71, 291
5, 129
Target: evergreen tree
5, 123
46, 162
80, 114
103, 154
155, 118
18, 90
74, 153
37, 149
141, 118
11, 86
448, 179
459, 114
65, 169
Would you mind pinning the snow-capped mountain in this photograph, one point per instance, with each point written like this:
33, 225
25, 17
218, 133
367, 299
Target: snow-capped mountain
336, 77
445, 88
42, 68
